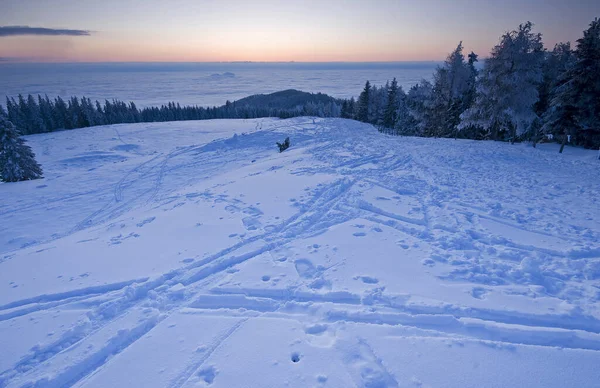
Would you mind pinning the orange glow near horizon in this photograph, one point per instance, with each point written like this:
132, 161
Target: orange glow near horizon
255, 48
274, 31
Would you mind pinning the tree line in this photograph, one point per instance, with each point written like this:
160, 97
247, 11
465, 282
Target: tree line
33, 115
522, 92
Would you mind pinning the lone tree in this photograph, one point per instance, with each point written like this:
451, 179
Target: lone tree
17, 160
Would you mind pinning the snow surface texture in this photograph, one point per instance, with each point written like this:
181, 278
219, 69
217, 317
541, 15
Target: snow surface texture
195, 254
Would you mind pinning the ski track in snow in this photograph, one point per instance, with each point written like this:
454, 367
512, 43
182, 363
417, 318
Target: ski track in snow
484, 250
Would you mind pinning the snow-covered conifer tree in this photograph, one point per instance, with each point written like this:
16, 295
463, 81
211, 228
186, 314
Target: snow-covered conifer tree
556, 62
575, 100
345, 114
418, 102
556, 103
450, 86
472, 82
390, 114
362, 110
404, 121
508, 85
467, 100
377, 103
352, 108
17, 160
35, 121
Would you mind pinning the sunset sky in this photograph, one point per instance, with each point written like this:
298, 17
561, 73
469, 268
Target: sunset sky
271, 30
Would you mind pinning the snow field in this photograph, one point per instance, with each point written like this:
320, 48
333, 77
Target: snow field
194, 254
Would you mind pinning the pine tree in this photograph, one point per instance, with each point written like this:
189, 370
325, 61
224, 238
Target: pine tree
404, 121
556, 105
46, 109
344, 113
391, 110
17, 160
11, 109
418, 102
469, 97
585, 83
450, 88
378, 101
508, 86
61, 116
36, 124
575, 101
586, 77
555, 64
352, 108
436, 113
470, 93
24, 117
362, 111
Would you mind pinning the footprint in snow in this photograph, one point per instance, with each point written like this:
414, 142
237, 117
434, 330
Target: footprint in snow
305, 268
251, 223
382, 199
207, 374
295, 357
320, 283
146, 221
367, 279
232, 208
478, 292
316, 329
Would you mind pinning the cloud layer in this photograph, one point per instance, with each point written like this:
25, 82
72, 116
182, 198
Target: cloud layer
26, 30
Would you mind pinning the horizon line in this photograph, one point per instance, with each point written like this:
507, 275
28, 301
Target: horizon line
32, 61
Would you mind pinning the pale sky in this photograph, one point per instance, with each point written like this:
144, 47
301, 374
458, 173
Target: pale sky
272, 30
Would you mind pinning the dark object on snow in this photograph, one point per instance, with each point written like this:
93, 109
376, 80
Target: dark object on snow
285, 145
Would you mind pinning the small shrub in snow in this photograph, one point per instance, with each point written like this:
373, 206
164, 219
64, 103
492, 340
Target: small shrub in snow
285, 145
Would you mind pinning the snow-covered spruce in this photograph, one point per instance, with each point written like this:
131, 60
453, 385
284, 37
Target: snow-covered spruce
508, 87
574, 106
17, 160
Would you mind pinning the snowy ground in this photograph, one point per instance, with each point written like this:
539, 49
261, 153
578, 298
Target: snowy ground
180, 254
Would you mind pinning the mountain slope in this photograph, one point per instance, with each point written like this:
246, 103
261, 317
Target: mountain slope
194, 254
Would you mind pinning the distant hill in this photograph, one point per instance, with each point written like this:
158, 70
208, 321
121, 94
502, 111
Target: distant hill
285, 99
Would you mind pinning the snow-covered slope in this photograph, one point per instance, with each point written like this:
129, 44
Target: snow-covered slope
194, 254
